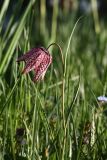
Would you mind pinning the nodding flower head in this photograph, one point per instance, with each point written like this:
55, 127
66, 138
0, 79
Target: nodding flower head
37, 59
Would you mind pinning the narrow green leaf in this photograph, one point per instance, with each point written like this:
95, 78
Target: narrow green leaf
7, 57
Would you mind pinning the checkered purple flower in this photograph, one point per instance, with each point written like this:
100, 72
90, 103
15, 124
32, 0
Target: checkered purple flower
37, 59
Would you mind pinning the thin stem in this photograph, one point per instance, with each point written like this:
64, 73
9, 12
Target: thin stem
63, 79
69, 41
63, 97
95, 16
59, 49
54, 21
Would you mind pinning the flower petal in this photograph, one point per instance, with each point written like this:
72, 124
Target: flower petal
27, 55
102, 99
33, 62
42, 68
38, 59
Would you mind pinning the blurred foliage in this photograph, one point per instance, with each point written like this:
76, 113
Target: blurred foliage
53, 114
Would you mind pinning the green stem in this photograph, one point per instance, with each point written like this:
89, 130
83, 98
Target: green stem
63, 97
63, 80
59, 49
95, 16
54, 20
43, 16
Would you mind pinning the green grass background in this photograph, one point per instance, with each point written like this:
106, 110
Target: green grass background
55, 111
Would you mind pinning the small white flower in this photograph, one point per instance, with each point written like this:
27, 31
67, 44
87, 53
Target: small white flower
102, 99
